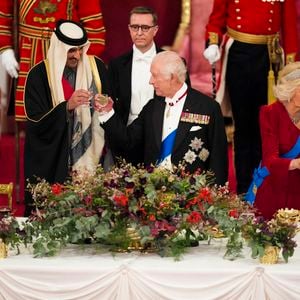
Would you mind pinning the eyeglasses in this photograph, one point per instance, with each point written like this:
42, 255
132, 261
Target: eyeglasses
144, 28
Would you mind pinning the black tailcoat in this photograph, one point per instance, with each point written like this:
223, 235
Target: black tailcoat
147, 130
119, 71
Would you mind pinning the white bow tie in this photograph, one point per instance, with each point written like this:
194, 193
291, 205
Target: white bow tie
145, 58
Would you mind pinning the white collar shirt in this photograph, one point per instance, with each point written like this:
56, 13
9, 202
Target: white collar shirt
141, 90
172, 114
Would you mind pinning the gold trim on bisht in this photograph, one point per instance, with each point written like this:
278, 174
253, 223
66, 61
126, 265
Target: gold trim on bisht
95, 73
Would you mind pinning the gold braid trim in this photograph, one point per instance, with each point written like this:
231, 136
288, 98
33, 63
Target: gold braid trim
4, 48
5, 15
95, 30
91, 18
35, 31
25, 6
46, 62
249, 38
213, 38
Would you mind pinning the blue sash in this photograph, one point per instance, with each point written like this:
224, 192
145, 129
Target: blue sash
261, 173
294, 152
167, 146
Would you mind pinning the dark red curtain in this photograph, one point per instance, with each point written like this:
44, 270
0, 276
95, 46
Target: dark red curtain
116, 19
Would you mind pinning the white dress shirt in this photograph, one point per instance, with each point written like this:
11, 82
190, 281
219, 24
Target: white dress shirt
173, 110
141, 90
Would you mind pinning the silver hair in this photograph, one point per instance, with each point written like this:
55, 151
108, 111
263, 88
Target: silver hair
289, 81
171, 63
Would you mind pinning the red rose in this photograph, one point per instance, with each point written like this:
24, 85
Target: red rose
192, 202
152, 217
194, 217
121, 199
56, 189
233, 213
205, 194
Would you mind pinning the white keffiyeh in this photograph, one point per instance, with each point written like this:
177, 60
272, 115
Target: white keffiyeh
57, 57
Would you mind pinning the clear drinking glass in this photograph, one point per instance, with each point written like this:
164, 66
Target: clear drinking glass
102, 100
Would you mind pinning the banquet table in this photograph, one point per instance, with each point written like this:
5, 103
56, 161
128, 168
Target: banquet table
202, 273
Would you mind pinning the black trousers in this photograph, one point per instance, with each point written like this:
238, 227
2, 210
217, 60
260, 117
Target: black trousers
247, 83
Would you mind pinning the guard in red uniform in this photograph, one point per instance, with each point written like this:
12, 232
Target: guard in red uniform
250, 31
35, 24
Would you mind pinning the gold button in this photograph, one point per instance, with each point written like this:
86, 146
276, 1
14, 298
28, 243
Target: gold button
270, 20
238, 17
271, 11
236, 1
269, 28
239, 26
237, 10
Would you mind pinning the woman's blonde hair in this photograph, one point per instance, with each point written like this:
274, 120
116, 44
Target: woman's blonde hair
288, 82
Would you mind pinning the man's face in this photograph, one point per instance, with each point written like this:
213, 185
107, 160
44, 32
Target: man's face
73, 57
142, 37
161, 83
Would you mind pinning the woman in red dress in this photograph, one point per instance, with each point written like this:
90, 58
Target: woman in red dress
277, 180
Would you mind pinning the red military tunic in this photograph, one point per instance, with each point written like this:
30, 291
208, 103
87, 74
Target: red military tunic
257, 17
37, 19
252, 31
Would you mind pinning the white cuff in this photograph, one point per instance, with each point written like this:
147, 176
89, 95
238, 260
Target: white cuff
105, 117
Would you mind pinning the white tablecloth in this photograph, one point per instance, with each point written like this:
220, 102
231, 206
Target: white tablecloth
201, 274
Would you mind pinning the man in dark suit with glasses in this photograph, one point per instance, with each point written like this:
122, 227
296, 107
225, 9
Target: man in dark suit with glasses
130, 72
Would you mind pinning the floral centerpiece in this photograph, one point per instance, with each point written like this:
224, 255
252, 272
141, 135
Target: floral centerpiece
161, 210
262, 234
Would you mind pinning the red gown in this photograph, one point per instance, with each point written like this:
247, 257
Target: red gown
37, 18
280, 189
